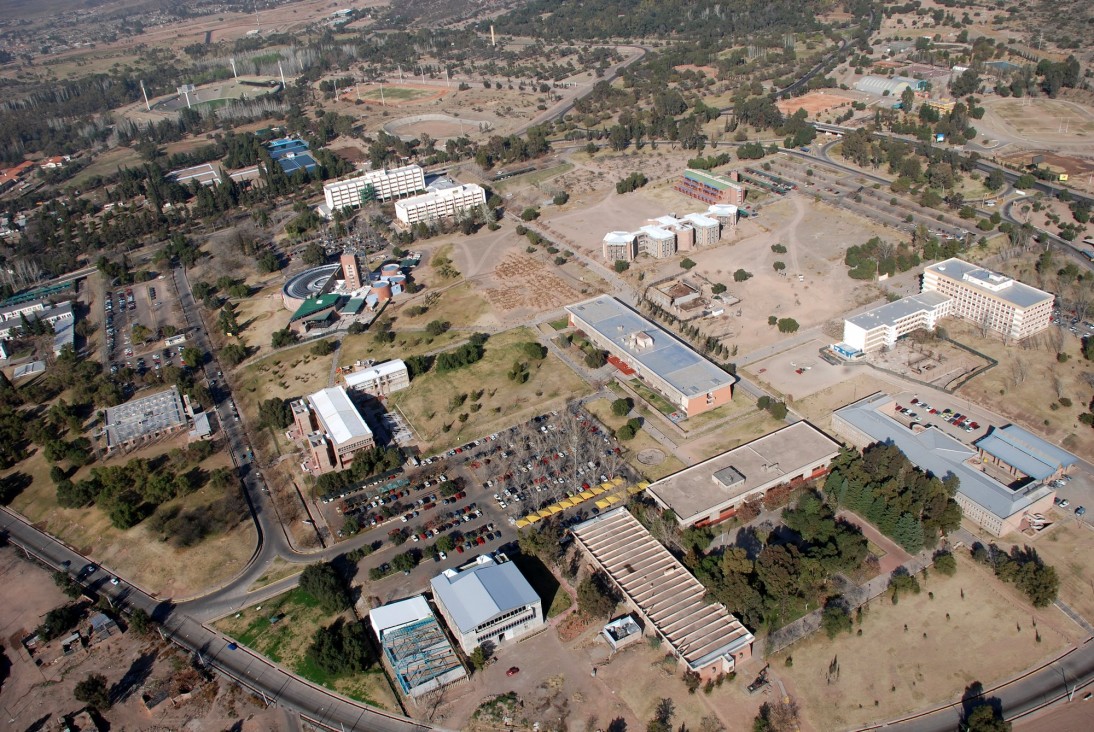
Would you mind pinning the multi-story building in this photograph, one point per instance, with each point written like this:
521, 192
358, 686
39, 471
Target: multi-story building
351, 272
881, 327
707, 230
386, 185
619, 245
56, 315
444, 203
686, 379
1008, 307
335, 431
487, 601
656, 241
710, 187
380, 380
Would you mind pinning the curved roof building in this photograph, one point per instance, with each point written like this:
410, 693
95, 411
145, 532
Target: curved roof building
881, 85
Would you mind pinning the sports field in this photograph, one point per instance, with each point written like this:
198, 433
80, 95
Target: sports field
395, 94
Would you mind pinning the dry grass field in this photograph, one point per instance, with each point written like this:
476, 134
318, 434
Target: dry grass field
426, 404
737, 432
1037, 119
259, 316
813, 103
905, 658
137, 553
1068, 546
642, 443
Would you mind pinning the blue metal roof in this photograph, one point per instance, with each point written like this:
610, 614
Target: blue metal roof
476, 595
935, 451
301, 161
1025, 451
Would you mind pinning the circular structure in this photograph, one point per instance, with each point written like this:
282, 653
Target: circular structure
389, 270
398, 284
309, 283
437, 126
651, 457
382, 290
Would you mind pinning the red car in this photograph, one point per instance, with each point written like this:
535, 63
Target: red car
513, 671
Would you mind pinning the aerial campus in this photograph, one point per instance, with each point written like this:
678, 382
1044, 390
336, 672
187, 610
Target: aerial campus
535, 365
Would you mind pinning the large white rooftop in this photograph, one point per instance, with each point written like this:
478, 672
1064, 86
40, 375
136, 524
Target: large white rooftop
891, 313
379, 371
991, 283
478, 594
339, 417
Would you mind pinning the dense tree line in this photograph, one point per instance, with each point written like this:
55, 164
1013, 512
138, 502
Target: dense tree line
787, 574
911, 506
341, 648
1023, 568
324, 583
365, 464
467, 354
866, 261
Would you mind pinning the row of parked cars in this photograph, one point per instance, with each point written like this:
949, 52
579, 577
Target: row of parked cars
961, 421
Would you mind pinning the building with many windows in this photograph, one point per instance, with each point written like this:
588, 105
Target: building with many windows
443, 203
881, 327
666, 235
689, 381
385, 185
487, 601
711, 187
1008, 307
333, 428
381, 379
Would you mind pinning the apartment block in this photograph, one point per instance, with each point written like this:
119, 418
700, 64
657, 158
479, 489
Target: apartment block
386, 184
444, 203
710, 187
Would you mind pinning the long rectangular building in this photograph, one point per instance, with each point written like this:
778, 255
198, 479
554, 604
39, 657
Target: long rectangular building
333, 428
381, 379
882, 326
711, 187
713, 490
444, 203
997, 508
670, 366
386, 185
704, 636
1007, 306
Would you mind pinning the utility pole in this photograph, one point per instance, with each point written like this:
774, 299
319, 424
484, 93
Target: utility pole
382, 102
146, 104
233, 62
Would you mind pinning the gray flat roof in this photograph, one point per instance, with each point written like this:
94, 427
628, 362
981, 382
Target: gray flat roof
991, 283
936, 452
663, 589
1025, 451
890, 313
697, 490
478, 594
144, 416
671, 359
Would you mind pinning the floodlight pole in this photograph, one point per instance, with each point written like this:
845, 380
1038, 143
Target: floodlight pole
146, 104
234, 74
382, 102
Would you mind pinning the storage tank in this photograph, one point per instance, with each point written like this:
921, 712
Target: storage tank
398, 284
389, 270
382, 290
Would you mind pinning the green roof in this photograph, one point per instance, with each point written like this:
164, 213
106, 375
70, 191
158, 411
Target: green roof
312, 306
712, 180
354, 305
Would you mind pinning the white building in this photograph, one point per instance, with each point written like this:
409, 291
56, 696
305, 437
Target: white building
881, 327
440, 204
381, 379
333, 427
56, 315
487, 602
386, 184
1007, 306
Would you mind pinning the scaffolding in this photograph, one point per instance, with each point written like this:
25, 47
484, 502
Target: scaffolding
421, 657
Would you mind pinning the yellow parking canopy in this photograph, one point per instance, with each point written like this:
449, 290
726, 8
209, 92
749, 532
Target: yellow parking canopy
554, 509
613, 500
602, 503
521, 523
586, 495
567, 502
598, 490
635, 489
617, 480
531, 518
544, 513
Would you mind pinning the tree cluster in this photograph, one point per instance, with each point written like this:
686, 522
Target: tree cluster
911, 506
366, 464
1023, 568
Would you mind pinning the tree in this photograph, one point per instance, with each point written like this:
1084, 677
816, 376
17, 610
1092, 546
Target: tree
59, 621
140, 622
314, 255
341, 648
621, 407
529, 214
71, 589
621, 265
995, 180
780, 716
233, 354
283, 337
437, 327
687, 263
560, 198
836, 617
787, 325
741, 275
662, 717
275, 413
323, 582
93, 691
595, 596
945, 563
778, 266
478, 658
984, 718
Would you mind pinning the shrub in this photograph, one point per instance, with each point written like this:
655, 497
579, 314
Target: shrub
622, 265
741, 275
621, 407
529, 214
323, 348
686, 263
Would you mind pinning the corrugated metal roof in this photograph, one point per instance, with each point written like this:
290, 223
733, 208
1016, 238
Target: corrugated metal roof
478, 594
339, 417
1025, 451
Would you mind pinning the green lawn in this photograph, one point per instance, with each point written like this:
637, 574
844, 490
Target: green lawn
282, 628
657, 401
560, 324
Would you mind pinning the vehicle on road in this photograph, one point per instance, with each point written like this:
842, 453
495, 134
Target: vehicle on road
513, 671
1081, 510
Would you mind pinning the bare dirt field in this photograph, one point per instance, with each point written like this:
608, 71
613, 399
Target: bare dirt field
1034, 120
904, 660
396, 95
780, 372
34, 694
937, 362
138, 554
556, 686
813, 103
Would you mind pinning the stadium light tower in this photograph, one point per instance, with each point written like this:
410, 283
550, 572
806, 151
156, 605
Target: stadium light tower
146, 104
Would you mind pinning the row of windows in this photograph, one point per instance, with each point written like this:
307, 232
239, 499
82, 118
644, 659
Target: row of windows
497, 632
500, 618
